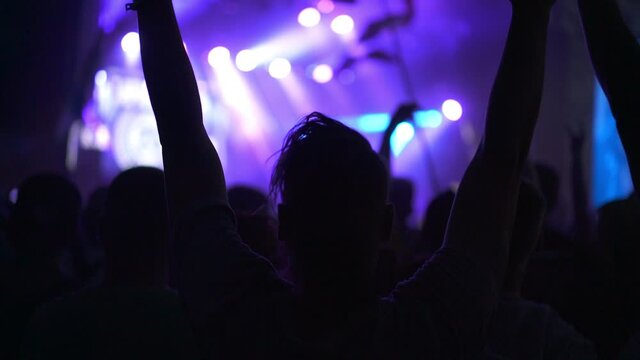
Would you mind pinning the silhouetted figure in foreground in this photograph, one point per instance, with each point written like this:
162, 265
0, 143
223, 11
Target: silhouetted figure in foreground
89, 261
41, 226
615, 54
522, 329
333, 217
131, 315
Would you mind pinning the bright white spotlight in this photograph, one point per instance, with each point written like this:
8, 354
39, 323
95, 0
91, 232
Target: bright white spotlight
326, 6
246, 60
322, 73
131, 44
309, 17
280, 68
452, 110
219, 56
100, 78
342, 24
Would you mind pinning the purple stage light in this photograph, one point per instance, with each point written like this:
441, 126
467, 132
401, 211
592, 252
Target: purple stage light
326, 6
452, 110
322, 73
219, 56
131, 44
342, 24
246, 60
101, 78
309, 17
280, 68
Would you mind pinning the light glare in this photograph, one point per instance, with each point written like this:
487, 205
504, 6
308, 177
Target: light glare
342, 24
246, 60
131, 44
322, 73
280, 68
101, 78
219, 56
452, 110
326, 6
309, 17
401, 137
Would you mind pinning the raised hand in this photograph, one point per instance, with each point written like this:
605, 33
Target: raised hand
403, 112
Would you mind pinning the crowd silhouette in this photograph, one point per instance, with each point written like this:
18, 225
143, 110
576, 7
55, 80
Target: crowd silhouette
172, 264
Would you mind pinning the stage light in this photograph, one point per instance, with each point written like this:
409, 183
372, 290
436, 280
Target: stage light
131, 44
428, 119
342, 24
101, 78
219, 56
102, 138
401, 137
87, 138
452, 110
280, 68
309, 17
373, 123
322, 73
326, 6
246, 60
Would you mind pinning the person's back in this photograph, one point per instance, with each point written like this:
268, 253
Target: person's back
333, 216
132, 314
40, 228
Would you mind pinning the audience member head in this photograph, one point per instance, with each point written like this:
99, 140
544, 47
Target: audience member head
44, 220
401, 197
436, 219
527, 228
247, 200
549, 184
135, 229
334, 213
256, 226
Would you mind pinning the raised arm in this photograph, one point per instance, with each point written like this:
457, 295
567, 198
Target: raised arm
194, 175
483, 214
215, 270
615, 54
463, 279
403, 113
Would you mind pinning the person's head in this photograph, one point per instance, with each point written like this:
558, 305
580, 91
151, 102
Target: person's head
247, 200
527, 227
44, 220
436, 219
333, 212
401, 197
135, 228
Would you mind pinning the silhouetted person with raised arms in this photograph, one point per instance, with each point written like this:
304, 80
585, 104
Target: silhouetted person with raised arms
40, 228
132, 314
333, 215
522, 329
615, 54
